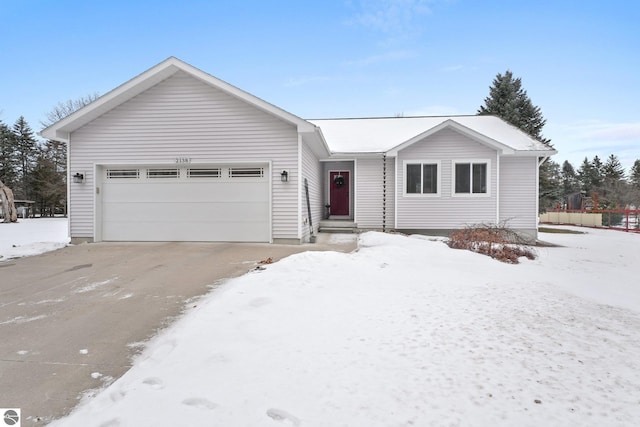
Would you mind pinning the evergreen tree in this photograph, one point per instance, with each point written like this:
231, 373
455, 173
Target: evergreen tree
26, 150
597, 173
509, 101
612, 169
550, 186
8, 159
634, 175
586, 176
614, 187
47, 183
569, 179
634, 184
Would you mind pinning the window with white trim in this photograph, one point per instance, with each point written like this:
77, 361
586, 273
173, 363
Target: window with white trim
422, 177
471, 177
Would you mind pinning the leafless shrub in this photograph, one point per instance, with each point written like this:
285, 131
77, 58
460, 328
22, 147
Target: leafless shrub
495, 240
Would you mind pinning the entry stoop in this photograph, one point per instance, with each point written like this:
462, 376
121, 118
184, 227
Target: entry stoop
338, 226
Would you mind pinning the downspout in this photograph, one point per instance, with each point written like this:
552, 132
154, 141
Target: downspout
498, 189
299, 173
384, 192
67, 210
395, 193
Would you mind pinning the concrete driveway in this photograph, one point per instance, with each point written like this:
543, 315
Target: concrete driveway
71, 320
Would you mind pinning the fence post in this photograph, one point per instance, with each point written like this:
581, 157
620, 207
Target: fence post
627, 212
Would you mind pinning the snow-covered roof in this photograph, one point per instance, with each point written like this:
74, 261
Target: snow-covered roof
390, 134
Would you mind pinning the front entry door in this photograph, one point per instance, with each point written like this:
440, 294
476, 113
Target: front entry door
339, 193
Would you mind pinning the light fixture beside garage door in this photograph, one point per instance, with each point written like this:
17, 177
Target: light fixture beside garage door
78, 178
284, 176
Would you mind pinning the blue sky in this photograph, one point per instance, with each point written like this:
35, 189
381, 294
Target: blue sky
579, 60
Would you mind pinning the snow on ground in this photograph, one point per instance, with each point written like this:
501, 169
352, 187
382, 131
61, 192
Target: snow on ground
32, 236
402, 332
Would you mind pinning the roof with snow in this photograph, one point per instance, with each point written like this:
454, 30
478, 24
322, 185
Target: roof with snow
390, 134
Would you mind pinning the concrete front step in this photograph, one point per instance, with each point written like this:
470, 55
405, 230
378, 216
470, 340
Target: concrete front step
338, 226
337, 223
344, 230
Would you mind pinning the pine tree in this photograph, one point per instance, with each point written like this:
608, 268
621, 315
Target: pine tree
634, 183
614, 187
509, 101
8, 159
26, 150
634, 175
46, 182
569, 179
550, 185
585, 176
597, 172
612, 169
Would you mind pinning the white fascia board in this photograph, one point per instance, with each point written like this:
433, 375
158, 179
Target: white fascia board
353, 156
533, 153
316, 142
449, 123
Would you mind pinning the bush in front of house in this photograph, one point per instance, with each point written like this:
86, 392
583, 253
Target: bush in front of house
495, 240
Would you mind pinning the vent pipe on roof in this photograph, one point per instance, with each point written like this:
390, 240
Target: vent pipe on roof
384, 192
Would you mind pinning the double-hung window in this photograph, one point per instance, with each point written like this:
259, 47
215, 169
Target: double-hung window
471, 177
422, 177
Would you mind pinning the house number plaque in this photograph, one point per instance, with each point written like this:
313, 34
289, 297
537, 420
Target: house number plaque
183, 160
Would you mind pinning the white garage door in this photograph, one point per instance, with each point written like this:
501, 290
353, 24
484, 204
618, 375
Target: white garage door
193, 203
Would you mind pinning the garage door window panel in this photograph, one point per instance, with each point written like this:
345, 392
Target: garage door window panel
246, 172
163, 173
204, 173
123, 173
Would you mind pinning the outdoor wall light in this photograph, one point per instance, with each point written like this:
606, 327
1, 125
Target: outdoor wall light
78, 178
284, 176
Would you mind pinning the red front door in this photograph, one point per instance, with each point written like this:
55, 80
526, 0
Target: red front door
339, 193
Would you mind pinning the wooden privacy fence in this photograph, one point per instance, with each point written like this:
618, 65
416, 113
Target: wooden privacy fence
617, 219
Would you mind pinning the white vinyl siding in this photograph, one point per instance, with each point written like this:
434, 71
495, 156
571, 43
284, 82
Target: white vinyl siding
182, 118
446, 211
518, 192
312, 171
370, 196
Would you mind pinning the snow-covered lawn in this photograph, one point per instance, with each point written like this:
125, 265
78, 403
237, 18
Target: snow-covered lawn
32, 236
403, 332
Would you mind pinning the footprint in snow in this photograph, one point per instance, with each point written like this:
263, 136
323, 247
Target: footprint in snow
199, 402
259, 302
114, 422
280, 415
155, 383
117, 395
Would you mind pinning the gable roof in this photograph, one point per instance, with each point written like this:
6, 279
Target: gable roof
391, 134
61, 129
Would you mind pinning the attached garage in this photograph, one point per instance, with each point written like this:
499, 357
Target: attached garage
175, 154
184, 203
